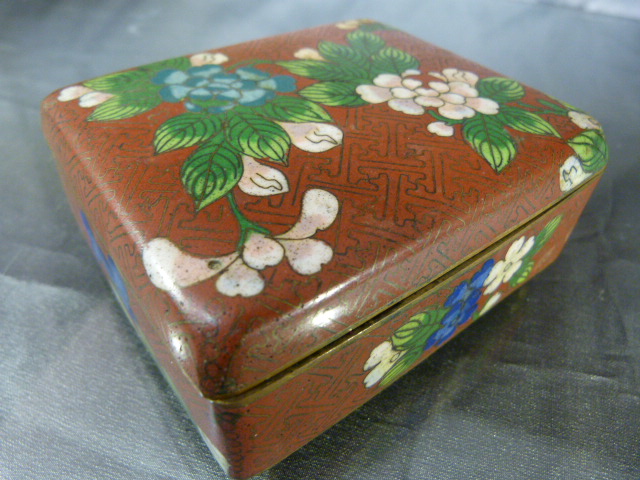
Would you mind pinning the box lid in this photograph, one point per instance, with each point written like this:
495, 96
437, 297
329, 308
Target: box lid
257, 202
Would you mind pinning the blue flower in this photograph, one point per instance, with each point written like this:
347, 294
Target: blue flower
248, 86
462, 303
106, 262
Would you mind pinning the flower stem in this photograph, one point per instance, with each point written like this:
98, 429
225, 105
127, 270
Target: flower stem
246, 225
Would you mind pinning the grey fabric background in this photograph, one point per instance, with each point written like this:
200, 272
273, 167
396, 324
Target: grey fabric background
547, 386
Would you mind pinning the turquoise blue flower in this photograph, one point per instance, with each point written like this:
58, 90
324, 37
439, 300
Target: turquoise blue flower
248, 86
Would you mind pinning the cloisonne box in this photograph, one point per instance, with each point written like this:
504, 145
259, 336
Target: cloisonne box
292, 224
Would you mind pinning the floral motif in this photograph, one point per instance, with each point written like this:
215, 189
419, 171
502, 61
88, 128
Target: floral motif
572, 173
207, 58
584, 120
434, 326
261, 180
381, 360
308, 54
462, 303
86, 96
503, 270
313, 137
170, 269
211, 85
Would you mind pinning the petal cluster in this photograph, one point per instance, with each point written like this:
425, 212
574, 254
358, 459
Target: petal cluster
381, 360
503, 270
86, 96
209, 87
572, 173
171, 269
454, 95
585, 121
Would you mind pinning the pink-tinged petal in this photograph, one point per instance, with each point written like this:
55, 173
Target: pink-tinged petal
429, 101
441, 129
453, 98
463, 89
92, 99
73, 92
207, 58
491, 303
239, 279
438, 75
411, 83
494, 280
313, 137
439, 87
307, 256
456, 112
389, 80
319, 210
455, 75
308, 54
260, 252
401, 92
426, 92
483, 105
169, 268
374, 94
407, 106
261, 180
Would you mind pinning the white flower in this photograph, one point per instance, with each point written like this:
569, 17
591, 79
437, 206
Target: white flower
441, 129
503, 270
261, 180
572, 173
170, 269
490, 303
381, 360
308, 54
455, 97
86, 96
207, 58
352, 24
584, 121
313, 137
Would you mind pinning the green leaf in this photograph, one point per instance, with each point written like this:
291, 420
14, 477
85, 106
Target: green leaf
333, 94
523, 272
325, 71
546, 233
178, 63
366, 43
487, 136
403, 364
591, 146
417, 331
392, 60
211, 171
343, 55
293, 109
502, 90
126, 106
374, 26
257, 137
525, 121
185, 131
117, 83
